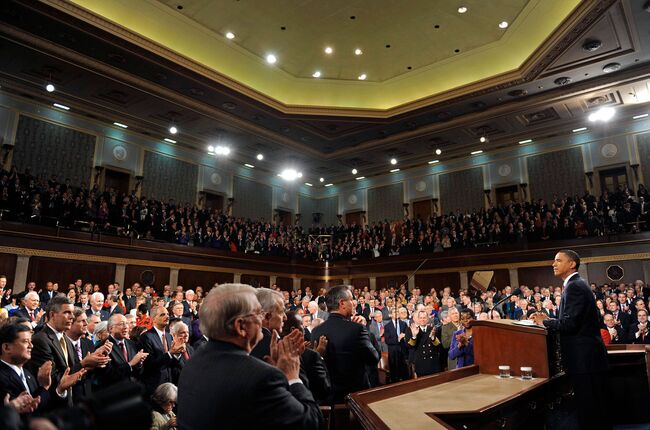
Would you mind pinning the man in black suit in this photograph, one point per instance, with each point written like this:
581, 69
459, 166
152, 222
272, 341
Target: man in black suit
97, 307
30, 309
125, 359
363, 308
15, 380
112, 300
161, 349
394, 337
129, 299
252, 393
51, 344
349, 349
583, 352
47, 295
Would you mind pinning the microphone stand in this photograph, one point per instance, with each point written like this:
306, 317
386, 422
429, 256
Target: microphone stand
514, 293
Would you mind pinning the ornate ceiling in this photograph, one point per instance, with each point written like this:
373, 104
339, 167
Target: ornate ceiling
596, 56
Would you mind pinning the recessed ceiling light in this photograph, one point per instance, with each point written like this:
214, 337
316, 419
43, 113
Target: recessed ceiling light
308, 184
218, 150
49, 87
210, 148
602, 114
173, 130
316, 74
290, 174
483, 139
322, 179
271, 59
230, 35
358, 51
503, 24
354, 171
476, 152
358, 178
434, 161
328, 185
578, 130
250, 166
169, 140
462, 9
393, 161
60, 106
362, 77
394, 170
260, 157
643, 115
438, 151
328, 50
521, 142
119, 124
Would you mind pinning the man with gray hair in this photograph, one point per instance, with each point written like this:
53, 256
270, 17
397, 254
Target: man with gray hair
315, 312
223, 384
126, 360
96, 305
272, 303
30, 309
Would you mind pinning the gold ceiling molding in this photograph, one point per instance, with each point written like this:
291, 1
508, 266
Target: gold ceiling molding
526, 45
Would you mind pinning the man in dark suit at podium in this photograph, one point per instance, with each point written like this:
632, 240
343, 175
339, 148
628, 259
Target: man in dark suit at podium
583, 352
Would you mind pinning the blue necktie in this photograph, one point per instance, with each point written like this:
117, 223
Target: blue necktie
397, 327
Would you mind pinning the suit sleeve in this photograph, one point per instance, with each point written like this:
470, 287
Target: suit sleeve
156, 357
572, 315
282, 405
368, 353
319, 380
41, 352
454, 350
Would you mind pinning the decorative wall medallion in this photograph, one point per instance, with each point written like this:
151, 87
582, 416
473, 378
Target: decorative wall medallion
352, 199
609, 150
421, 186
215, 178
504, 170
615, 272
120, 153
285, 197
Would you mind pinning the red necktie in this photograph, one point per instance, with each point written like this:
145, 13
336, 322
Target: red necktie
31, 315
124, 352
164, 343
186, 355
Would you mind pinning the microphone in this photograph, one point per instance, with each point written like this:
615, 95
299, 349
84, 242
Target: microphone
516, 292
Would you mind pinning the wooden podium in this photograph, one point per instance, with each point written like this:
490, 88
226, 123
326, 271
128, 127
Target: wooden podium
473, 397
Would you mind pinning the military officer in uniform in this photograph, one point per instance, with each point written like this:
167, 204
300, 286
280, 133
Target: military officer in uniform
424, 341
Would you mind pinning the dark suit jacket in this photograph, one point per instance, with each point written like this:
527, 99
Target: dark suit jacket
578, 324
46, 347
313, 367
263, 347
118, 369
129, 302
390, 334
118, 310
45, 297
83, 388
252, 394
349, 351
22, 313
180, 363
10, 383
157, 367
103, 314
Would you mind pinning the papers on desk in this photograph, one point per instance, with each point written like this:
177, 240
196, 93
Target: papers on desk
527, 323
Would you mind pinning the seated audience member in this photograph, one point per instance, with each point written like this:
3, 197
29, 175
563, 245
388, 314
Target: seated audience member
349, 351
126, 361
462, 342
100, 334
164, 401
312, 365
18, 386
162, 349
30, 309
424, 341
223, 384
272, 304
639, 333
180, 334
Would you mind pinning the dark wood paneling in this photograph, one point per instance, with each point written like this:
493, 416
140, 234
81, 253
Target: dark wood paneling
43, 269
194, 278
255, 280
8, 268
542, 276
390, 281
285, 284
500, 279
633, 270
133, 274
317, 284
360, 282
438, 281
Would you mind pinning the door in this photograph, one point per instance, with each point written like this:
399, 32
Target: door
508, 194
611, 179
213, 201
422, 209
354, 217
284, 217
117, 180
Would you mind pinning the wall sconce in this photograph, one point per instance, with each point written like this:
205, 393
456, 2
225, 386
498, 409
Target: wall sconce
138, 182
435, 204
6, 150
405, 206
201, 197
524, 187
590, 176
635, 169
487, 195
98, 172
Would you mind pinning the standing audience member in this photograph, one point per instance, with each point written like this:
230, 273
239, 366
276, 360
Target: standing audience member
424, 340
126, 361
462, 341
223, 384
